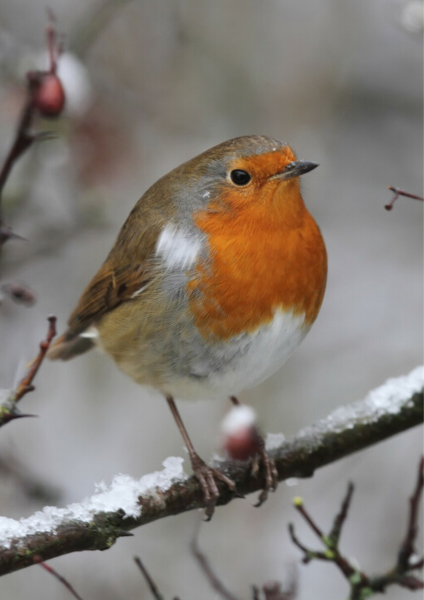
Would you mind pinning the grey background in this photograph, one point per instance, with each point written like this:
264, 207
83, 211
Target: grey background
342, 83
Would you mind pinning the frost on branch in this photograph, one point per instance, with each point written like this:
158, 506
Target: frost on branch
122, 495
388, 399
97, 522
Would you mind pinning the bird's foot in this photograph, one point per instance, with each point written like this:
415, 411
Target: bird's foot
207, 477
263, 460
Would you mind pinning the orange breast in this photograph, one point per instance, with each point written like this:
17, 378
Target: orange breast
266, 255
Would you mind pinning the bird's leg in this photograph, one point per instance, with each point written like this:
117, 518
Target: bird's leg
262, 457
205, 474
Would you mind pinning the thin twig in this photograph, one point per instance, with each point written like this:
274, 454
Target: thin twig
214, 581
92, 25
298, 503
32, 486
308, 554
361, 585
8, 407
62, 580
407, 548
24, 137
398, 192
148, 578
23, 140
334, 535
25, 384
255, 592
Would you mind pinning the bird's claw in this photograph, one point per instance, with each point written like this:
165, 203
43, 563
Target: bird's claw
207, 477
262, 458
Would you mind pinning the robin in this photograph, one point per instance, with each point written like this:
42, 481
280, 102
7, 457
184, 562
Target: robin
215, 278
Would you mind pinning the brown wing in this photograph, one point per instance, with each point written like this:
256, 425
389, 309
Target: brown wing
107, 290
126, 271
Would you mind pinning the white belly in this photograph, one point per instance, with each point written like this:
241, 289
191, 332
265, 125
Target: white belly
268, 350
254, 358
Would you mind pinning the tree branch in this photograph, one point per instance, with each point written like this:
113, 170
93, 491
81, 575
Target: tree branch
96, 523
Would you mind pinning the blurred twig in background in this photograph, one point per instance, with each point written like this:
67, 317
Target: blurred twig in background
62, 580
45, 96
150, 582
362, 585
397, 192
90, 27
32, 486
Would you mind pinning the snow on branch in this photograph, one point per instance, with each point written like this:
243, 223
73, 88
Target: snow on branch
111, 512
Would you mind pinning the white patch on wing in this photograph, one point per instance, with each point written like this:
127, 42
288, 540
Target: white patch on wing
91, 333
138, 292
178, 247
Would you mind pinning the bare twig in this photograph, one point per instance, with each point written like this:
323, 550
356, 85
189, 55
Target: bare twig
343, 432
336, 530
398, 192
331, 553
8, 409
298, 503
362, 585
25, 384
62, 580
24, 137
271, 590
407, 548
255, 593
53, 48
148, 578
31, 485
91, 26
210, 575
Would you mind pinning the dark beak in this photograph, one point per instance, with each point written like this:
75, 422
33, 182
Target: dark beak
297, 168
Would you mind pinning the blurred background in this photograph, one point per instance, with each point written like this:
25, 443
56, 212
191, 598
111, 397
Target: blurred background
149, 85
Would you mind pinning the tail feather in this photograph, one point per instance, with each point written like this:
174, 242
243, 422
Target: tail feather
69, 345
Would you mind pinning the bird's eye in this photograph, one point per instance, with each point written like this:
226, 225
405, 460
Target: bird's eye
240, 177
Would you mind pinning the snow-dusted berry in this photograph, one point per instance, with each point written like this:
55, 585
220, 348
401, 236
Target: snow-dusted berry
241, 440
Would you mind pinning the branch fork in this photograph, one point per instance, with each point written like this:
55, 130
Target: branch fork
361, 585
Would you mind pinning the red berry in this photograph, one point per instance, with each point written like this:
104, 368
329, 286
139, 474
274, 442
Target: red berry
240, 440
242, 444
49, 97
